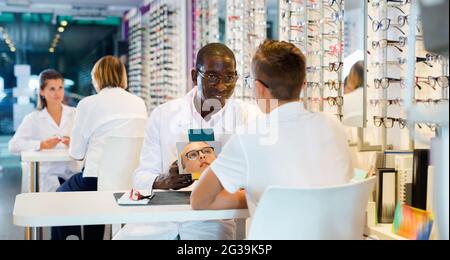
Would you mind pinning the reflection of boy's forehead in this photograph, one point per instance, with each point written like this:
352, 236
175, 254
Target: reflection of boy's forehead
195, 146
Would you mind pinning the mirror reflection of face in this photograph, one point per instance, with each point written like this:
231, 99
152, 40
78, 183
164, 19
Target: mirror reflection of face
197, 157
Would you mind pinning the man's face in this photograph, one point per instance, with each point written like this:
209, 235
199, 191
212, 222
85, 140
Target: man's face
216, 79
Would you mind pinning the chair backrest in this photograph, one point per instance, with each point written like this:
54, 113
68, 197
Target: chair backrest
120, 159
120, 155
134, 127
335, 213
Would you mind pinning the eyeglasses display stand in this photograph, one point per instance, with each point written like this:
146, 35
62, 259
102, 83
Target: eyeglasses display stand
246, 29
205, 16
316, 27
136, 62
390, 54
156, 66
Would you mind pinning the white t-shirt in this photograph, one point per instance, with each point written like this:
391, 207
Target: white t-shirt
297, 149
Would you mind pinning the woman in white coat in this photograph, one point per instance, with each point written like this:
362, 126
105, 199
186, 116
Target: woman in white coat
110, 111
47, 128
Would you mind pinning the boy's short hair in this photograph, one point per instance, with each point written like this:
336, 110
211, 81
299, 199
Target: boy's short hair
282, 67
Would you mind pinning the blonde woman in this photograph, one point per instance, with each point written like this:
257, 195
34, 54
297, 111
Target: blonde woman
47, 128
98, 116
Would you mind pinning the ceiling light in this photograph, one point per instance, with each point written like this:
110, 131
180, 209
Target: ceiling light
13, 49
64, 23
61, 29
51, 50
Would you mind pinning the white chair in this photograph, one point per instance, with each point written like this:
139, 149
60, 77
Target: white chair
120, 158
335, 213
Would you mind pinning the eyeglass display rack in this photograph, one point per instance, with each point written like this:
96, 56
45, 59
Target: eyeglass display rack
205, 16
246, 29
387, 77
165, 64
155, 66
136, 63
316, 27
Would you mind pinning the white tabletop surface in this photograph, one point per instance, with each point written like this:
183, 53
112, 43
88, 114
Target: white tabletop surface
47, 156
97, 208
383, 232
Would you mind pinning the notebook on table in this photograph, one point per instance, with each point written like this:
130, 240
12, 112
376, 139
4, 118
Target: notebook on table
169, 198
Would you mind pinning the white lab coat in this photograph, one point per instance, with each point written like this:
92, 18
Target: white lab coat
168, 125
98, 117
39, 126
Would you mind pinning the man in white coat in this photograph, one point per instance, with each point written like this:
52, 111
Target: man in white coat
207, 106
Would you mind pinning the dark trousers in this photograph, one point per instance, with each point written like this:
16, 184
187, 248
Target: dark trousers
76, 184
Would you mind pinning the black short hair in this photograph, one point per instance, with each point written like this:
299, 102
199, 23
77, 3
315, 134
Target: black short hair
213, 49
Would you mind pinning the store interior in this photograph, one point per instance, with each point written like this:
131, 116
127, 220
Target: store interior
395, 114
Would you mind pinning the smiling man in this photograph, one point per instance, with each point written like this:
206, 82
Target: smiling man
208, 106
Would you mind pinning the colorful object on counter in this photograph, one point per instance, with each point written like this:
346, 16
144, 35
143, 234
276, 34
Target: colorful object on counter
412, 223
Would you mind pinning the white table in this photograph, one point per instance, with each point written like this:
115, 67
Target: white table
100, 208
35, 159
383, 232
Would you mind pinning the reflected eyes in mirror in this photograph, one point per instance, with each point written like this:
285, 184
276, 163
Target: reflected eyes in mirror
194, 155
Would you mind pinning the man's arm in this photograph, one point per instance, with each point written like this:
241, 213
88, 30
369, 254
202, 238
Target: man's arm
209, 194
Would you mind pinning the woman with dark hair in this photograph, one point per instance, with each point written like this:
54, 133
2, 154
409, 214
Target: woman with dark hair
48, 128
